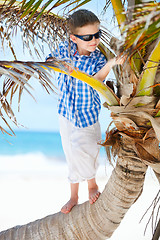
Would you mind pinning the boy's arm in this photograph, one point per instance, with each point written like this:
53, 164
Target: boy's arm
102, 74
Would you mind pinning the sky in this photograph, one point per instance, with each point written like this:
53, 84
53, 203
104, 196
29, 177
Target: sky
41, 115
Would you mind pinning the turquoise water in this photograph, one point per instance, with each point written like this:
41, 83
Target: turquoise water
48, 143
25, 142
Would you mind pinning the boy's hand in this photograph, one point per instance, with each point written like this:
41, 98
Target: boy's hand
116, 61
70, 69
50, 59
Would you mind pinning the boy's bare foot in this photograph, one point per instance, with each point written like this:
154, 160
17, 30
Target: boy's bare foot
93, 190
93, 195
69, 205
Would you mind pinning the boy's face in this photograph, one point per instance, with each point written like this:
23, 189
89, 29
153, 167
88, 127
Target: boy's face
86, 47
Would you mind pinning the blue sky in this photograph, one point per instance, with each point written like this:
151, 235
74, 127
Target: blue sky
42, 114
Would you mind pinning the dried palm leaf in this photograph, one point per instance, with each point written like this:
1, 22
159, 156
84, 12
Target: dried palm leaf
18, 74
45, 27
154, 217
143, 28
48, 29
29, 7
7, 109
111, 144
144, 141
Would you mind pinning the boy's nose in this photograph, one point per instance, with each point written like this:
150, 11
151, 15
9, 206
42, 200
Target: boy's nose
93, 39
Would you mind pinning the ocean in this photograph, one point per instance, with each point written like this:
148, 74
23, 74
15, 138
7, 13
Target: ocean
34, 152
27, 142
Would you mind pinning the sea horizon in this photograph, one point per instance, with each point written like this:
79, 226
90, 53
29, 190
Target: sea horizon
33, 141
34, 184
35, 152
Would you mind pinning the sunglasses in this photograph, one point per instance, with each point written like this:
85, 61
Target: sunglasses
89, 37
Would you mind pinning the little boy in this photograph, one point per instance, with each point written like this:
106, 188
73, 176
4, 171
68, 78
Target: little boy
79, 104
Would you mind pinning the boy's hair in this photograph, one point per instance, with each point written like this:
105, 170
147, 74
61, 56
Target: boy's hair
81, 18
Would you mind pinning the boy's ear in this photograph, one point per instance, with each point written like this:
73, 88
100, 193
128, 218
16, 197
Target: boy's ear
73, 38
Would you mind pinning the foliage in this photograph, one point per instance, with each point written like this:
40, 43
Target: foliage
143, 28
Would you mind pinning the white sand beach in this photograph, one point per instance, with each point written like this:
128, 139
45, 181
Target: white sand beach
33, 187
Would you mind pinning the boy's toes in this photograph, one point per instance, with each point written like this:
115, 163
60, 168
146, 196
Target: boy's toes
65, 209
96, 196
68, 206
93, 197
91, 200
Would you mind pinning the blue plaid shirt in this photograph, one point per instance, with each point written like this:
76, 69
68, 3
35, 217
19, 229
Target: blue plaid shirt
78, 102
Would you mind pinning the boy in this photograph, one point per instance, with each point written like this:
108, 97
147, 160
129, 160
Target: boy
79, 104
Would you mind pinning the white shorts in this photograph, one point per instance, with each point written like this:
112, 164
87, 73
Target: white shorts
81, 149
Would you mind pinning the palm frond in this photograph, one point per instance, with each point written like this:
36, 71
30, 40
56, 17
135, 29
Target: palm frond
13, 19
19, 73
149, 73
119, 12
29, 7
143, 28
42, 27
48, 29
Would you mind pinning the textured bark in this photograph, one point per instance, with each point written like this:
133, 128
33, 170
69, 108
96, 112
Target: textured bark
97, 221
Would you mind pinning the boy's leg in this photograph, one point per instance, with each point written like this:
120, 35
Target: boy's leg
93, 190
73, 200
65, 131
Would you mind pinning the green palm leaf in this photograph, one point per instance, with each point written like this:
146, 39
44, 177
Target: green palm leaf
148, 75
28, 8
119, 13
143, 28
49, 29
21, 72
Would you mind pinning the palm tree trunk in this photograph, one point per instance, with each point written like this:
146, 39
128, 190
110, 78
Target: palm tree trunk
97, 221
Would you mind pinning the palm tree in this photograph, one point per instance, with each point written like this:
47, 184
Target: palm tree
134, 110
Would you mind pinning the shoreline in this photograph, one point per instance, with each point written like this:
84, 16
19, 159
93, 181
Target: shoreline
27, 196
